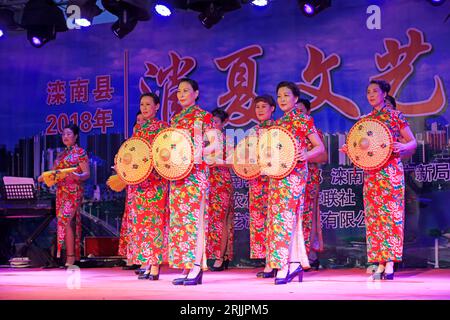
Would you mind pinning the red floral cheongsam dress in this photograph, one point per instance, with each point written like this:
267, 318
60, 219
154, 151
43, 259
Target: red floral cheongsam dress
125, 228
287, 196
148, 214
258, 193
69, 195
384, 197
312, 231
189, 196
221, 207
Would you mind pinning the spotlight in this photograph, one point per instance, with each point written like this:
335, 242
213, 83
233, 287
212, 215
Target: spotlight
1, 33
88, 10
260, 3
39, 36
313, 7
42, 19
212, 11
436, 2
162, 9
129, 13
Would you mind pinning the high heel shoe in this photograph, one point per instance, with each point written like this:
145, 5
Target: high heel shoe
144, 276
223, 266
139, 271
291, 275
315, 264
178, 281
195, 281
154, 276
270, 274
388, 276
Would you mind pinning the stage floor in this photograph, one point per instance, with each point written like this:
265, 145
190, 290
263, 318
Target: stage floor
232, 284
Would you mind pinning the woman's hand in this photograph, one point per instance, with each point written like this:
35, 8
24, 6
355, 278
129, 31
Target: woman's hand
344, 149
41, 178
302, 155
399, 147
75, 176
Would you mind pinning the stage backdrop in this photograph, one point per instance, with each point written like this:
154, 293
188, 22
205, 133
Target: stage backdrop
92, 78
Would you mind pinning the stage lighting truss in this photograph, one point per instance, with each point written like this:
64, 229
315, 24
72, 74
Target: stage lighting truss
311, 8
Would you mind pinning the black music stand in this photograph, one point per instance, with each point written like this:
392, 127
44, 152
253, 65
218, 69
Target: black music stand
27, 193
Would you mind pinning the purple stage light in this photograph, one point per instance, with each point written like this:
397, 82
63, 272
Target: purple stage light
162, 10
83, 22
1, 33
436, 2
308, 9
260, 3
36, 41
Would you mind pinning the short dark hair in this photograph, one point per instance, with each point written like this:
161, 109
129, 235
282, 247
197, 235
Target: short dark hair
75, 129
267, 98
306, 103
292, 86
384, 85
220, 113
151, 95
193, 83
392, 101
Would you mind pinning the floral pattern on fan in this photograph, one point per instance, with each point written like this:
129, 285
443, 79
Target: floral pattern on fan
245, 158
369, 144
173, 154
277, 152
134, 160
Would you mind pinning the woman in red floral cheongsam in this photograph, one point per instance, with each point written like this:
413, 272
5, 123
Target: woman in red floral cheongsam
258, 191
189, 197
286, 249
69, 194
148, 214
221, 204
312, 231
384, 188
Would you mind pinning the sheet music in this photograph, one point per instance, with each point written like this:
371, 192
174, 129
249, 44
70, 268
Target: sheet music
18, 180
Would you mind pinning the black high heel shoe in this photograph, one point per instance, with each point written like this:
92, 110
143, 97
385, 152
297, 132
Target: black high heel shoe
144, 275
223, 266
139, 271
315, 264
291, 275
178, 281
270, 274
388, 276
154, 276
195, 281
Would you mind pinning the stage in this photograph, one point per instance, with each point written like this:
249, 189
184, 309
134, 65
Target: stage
232, 284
